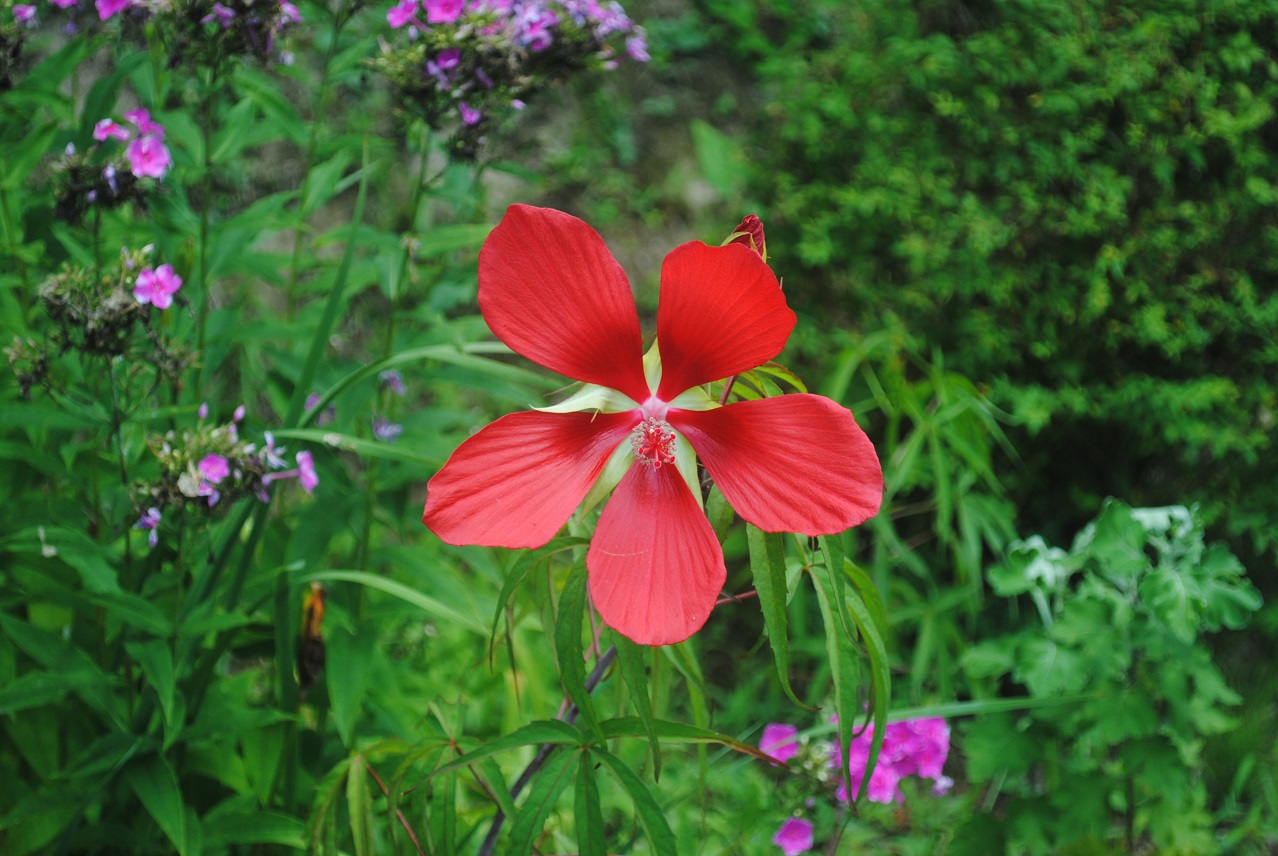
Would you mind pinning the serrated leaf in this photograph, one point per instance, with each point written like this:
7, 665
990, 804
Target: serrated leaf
550, 782
588, 813
568, 621
1048, 668
651, 817
767, 565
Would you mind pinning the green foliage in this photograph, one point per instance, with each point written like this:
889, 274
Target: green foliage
1119, 618
1072, 202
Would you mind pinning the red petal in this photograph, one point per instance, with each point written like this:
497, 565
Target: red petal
549, 288
721, 312
516, 482
796, 463
655, 566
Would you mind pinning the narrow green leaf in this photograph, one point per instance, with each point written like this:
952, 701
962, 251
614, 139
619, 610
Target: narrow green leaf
34, 689
651, 817
676, 732
525, 563
542, 796
258, 827
156, 660
767, 564
842, 659
362, 447
156, 786
880, 676
572, 604
359, 807
424, 602
533, 734
446, 239
633, 672
587, 811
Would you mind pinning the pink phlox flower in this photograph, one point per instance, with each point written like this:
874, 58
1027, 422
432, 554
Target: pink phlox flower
289, 13
108, 172
214, 468
141, 119
107, 128
550, 290
779, 741
274, 457
441, 66
110, 8
401, 13
794, 836
238, 415
306, 475
611, 19
443, 11
533, 27
203, 410
24, 13
224, 15
157, 287
929, 745
149, 523
517, 104
637, 47
913, 747
149, 157
470, 116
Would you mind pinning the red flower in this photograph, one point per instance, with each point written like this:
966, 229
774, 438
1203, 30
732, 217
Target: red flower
549, 288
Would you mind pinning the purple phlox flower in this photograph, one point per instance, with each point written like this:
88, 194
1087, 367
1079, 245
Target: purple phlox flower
501, 8
441, 66
64, 4
141, 119
214, 468
942, 786
149, 522
274, 457
329, 413
238, 415
779, 741
203, 411
108, 172
386, 430
794, 836
470, 116
148, 156
157, 287
107, 128
401, 13
516, 104
289, 13
610, 19
443, 11
306, 474
24, 14
110, 8
637, 46
224, 15
482, 77
533, 26
394, 381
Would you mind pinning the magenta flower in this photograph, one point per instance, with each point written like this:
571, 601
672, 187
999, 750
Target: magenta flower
274, 457
778, 740
110, 8
149, 523
401, 13
470, 116
141, 119
549, 289
637, 47
107, 128
794, 836
157, 287
214, 468
306, 475
148, 156
443, 11
914, 747
289, 13
394, 381
224, 15
24, 13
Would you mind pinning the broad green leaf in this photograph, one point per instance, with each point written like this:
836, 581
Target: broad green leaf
61, 658
156, 660
550, 782
572, 604
424, 602
630, 659
767, 564
227, 829
441, 240
347, 669
34, 689
321, 182
588, 814
1048, 668
536, 733
651, 816
156, 786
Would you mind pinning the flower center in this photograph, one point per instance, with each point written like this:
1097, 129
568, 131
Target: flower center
653, 442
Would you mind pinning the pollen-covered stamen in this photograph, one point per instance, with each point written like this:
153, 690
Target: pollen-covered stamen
653, 442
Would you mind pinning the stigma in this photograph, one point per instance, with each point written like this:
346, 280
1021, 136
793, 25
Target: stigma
653, 442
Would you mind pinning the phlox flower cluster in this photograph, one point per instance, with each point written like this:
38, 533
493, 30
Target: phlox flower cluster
211, 465
106, 175
468, 62
236, 27
913, 747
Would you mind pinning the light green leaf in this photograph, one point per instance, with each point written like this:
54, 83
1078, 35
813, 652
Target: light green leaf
572, 603
535, 733
424, 602
630, 658
651, 817
767, 564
